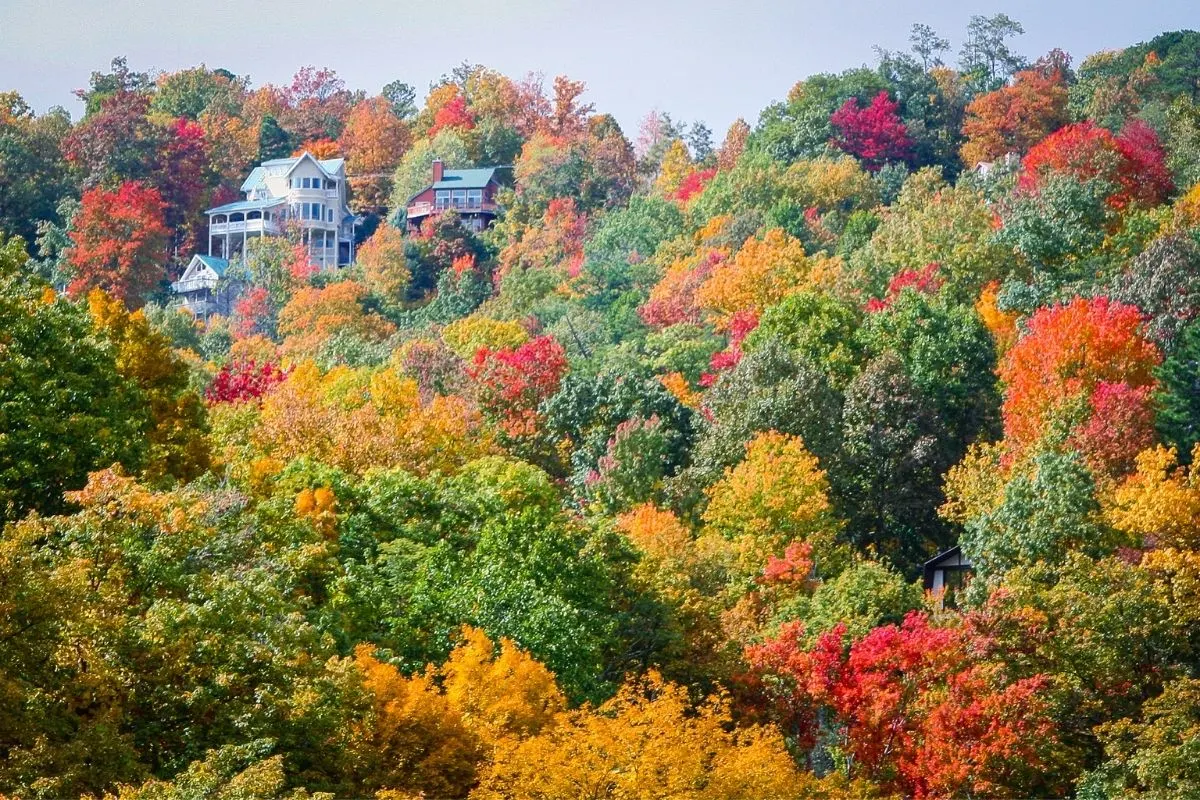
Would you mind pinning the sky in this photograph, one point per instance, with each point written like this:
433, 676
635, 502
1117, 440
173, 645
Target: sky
698, 60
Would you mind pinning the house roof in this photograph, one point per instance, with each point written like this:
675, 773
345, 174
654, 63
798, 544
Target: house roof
945, 555
217, 265
466, 178
331, 166
247, 205
254, 179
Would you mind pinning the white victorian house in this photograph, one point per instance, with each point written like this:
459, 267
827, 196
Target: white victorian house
283, 192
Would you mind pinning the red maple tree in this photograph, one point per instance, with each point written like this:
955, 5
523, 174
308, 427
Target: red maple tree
919, 709
511, 383
119, 242
875, 135
243, 380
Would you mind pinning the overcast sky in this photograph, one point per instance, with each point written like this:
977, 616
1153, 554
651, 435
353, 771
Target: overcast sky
703, 59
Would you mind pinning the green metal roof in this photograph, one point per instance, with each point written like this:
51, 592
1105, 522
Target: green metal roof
466, 178
217, 265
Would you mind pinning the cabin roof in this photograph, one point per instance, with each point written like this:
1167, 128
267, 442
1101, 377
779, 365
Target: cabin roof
466, 178
945, 555
217, 265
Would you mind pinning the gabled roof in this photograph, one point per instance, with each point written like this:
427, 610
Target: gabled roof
330, 166
466, 178
217, 265
247, 205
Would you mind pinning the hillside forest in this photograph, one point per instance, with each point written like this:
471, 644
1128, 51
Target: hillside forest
629, 494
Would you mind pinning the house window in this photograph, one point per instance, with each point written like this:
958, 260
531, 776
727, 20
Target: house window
329, 215
295, 183
442, 198
331, 185
475, 198
460, 198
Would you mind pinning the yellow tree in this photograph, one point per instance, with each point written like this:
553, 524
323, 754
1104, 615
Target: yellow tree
385, 269
502, 696
177, 436
313, 315
762, 273
650, 743
413, 739
778, 494
466, 336
675, 166
1160, 502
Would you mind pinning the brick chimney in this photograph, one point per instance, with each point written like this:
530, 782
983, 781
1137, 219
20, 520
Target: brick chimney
438, 170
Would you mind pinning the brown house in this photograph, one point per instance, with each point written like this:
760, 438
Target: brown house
470, 192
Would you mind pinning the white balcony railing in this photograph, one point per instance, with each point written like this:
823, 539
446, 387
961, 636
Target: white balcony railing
247, 226
423, 208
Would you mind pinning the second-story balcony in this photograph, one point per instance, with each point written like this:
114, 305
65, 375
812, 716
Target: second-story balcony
257, 225
424, 209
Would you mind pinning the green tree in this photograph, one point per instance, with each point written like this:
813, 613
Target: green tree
1048, 509
64, 408
1179, 393
888, 474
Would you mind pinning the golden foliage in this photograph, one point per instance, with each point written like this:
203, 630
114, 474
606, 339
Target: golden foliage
501, 696
1160, 502
649, 743
678, 386
762, 273
468, 335
1001, 324
675, 166
313, 315
358, 418
415, 738
179, 447
777, 494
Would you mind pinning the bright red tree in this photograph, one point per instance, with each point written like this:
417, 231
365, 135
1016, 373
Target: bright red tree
875, 135
1134, 162
243, 380
917, 708
511, 383
119, 242
693, 184
454, 114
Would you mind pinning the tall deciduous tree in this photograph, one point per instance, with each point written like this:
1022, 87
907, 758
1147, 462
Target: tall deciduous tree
874, 134
119, 242
1014, 118
66, 409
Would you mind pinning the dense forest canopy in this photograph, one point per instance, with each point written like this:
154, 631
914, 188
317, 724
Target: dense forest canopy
629, 494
